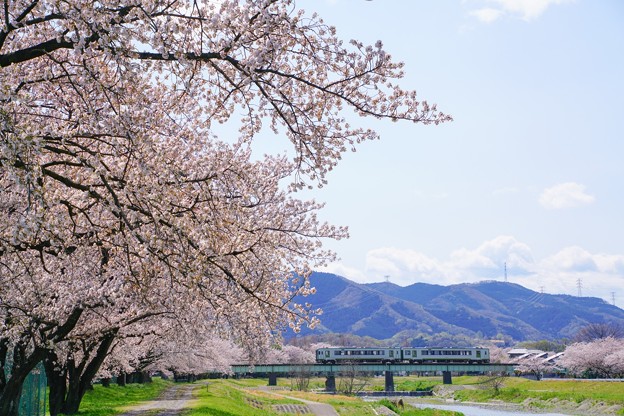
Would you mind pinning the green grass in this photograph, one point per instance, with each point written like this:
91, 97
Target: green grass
234, 398
517, 390
109, 401
411, 384
245, 398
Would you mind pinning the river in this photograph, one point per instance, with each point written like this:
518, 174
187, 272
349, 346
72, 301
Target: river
480, 411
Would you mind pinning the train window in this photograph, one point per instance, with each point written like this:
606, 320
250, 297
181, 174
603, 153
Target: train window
408, 352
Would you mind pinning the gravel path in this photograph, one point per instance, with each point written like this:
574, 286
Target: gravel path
170, 403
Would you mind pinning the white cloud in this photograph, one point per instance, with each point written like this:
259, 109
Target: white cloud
489, 259
571, 259
525, 9
600, 274
350, 273
403, 266
487, 14
565, 195
528, 9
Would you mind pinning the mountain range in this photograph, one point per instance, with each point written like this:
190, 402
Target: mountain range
422, 312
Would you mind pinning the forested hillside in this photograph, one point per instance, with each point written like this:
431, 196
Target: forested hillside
452, 314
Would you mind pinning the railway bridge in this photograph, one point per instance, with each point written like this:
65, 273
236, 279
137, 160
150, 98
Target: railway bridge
331, 370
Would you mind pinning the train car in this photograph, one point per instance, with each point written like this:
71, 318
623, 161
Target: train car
415, 355
358, 354
446, 355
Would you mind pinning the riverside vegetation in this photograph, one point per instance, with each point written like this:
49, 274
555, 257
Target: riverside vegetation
232, 397
577, 396
249, 397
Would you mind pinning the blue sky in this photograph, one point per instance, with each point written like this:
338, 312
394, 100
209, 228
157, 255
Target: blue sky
531, 171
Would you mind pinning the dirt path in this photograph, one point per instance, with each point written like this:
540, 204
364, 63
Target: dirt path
170, 403
175, 399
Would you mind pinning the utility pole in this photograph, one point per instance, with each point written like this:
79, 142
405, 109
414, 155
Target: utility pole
579, 286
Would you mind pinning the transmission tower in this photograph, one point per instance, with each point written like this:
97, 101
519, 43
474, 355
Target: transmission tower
613, 298
505, 272
542, 289
579, 286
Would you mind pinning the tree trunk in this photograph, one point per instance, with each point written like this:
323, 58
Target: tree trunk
10, 398
145, 377
57, 381
75, 392
81, 376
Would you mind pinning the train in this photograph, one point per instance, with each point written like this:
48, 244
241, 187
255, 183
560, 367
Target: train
412, 355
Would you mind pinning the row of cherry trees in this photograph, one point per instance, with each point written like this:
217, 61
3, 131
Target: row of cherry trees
130, 234
598, 358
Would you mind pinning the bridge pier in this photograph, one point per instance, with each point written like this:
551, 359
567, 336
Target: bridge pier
389, 380
330, 383
272, 379
446, 377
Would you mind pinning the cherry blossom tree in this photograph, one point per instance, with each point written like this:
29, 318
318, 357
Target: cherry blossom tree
599, 358
497, 354
118, 204
197, 355
286, 354
535, 366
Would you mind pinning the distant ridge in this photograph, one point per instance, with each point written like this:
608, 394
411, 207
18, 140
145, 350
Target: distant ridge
487, 310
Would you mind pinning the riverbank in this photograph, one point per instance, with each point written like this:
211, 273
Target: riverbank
559, 396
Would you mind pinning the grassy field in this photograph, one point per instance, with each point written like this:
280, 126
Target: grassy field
232, 398
517, 389
108, 401
249, 397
